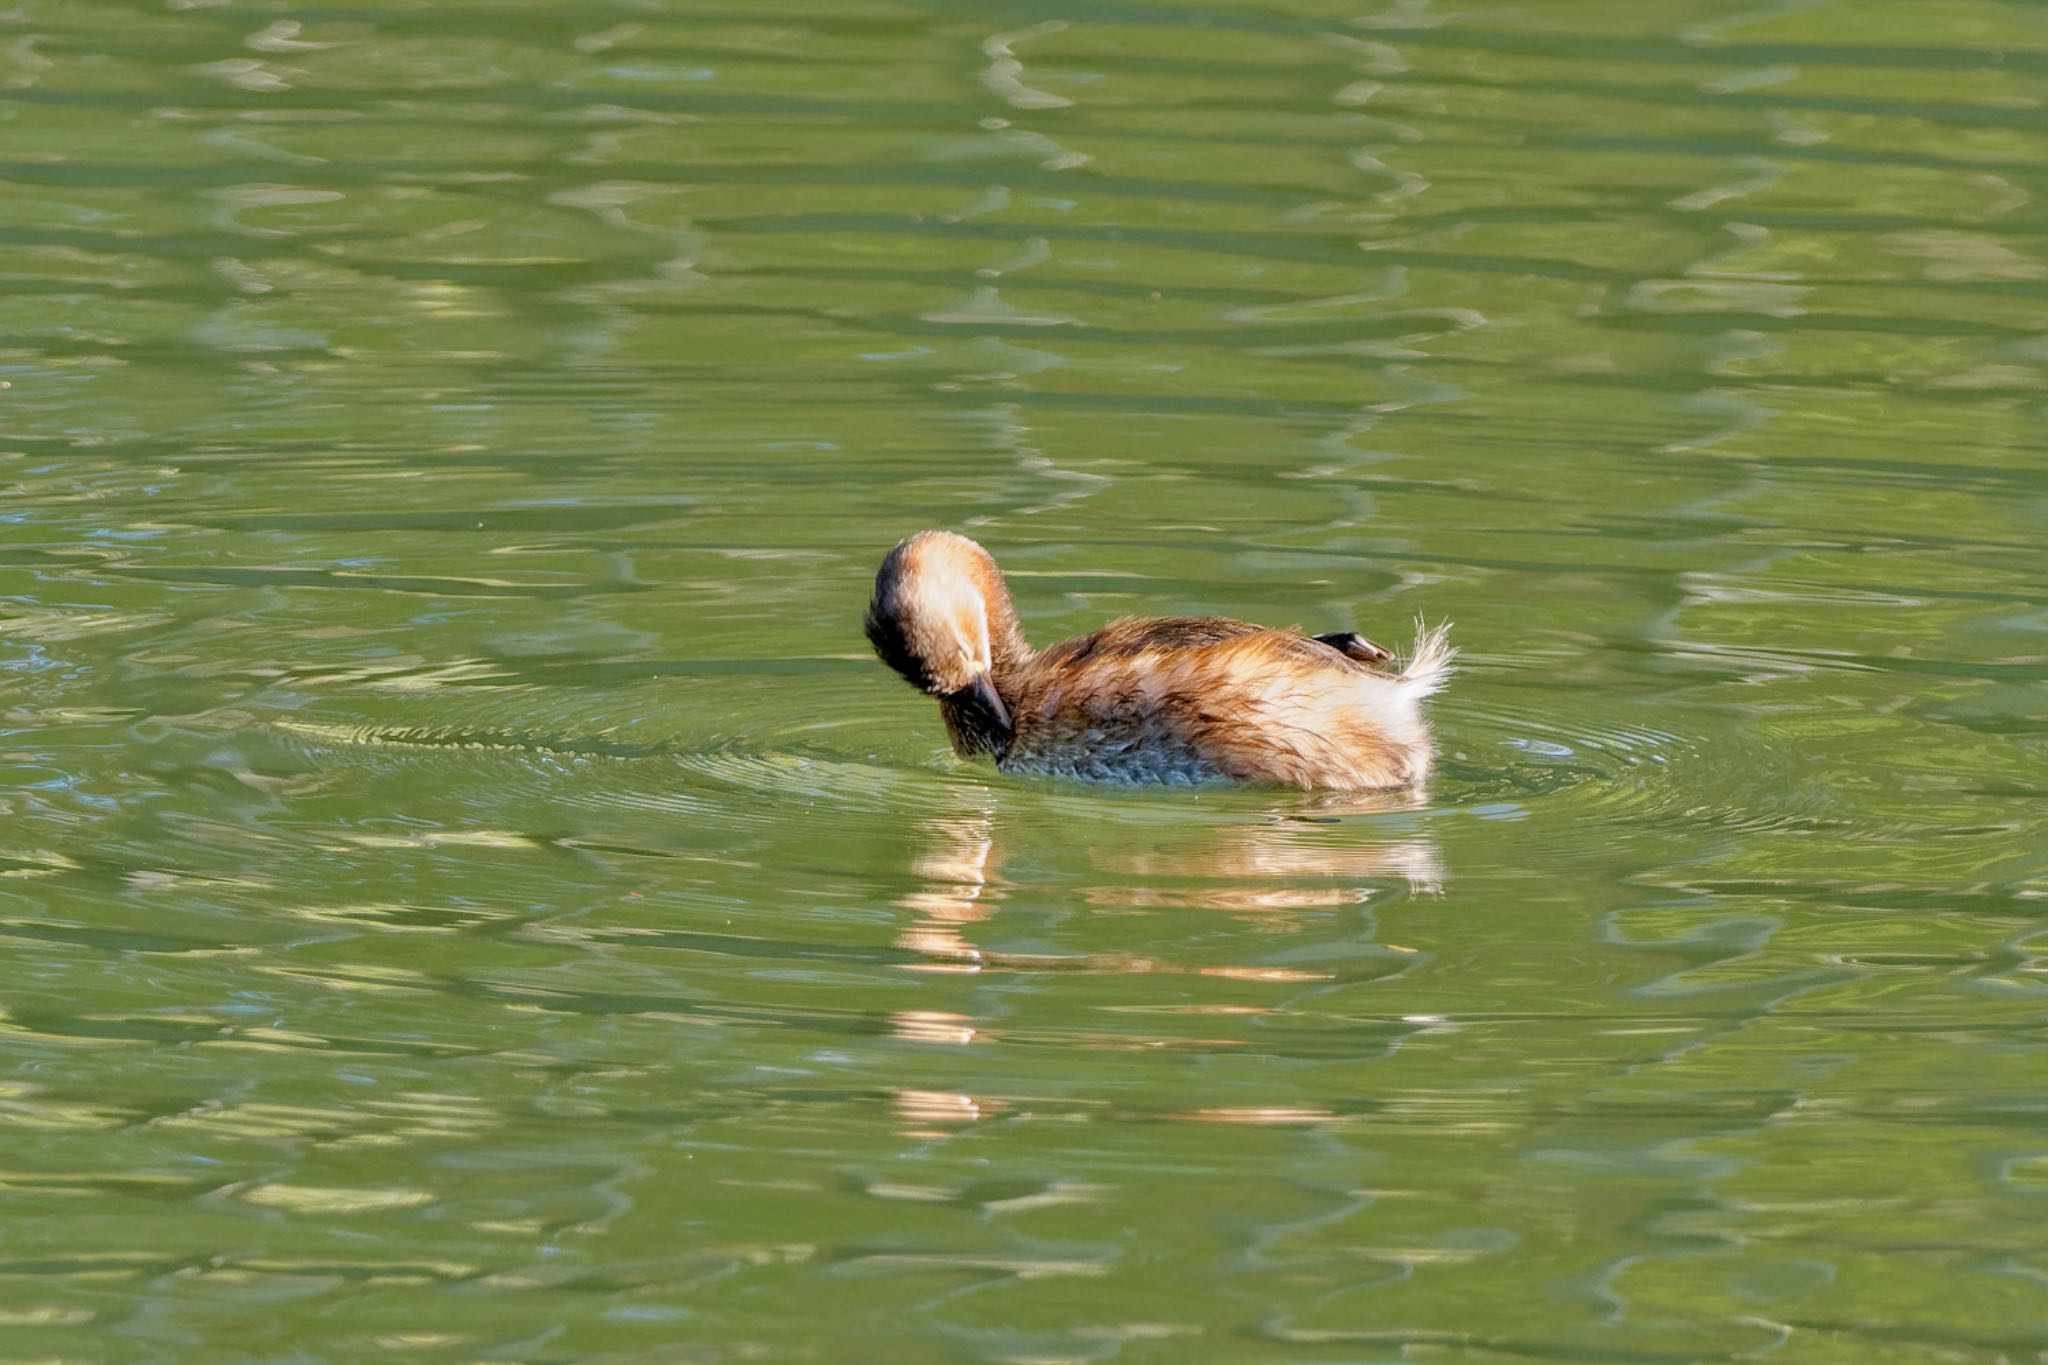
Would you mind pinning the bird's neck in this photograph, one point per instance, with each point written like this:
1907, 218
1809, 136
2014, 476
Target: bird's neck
1008, 651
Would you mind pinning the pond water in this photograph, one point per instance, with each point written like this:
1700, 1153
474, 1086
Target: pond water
469, 894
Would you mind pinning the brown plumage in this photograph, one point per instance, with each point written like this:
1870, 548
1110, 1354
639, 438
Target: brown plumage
1161, 699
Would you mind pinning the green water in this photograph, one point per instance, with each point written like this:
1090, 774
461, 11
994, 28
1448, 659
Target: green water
469, 895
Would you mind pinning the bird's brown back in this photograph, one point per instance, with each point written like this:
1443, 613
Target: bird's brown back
1188, 698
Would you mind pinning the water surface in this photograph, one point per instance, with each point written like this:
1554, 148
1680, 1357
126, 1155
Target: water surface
469, 895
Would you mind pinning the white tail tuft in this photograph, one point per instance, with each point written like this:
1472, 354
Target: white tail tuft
1433, 661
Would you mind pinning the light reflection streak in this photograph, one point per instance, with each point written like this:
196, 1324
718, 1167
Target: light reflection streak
938, 1113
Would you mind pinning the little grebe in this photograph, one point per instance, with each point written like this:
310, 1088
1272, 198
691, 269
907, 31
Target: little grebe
1159, 699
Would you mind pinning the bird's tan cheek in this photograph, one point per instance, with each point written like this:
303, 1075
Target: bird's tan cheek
971, 630
953, 671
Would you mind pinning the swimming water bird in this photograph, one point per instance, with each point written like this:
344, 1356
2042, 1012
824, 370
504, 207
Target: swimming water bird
1158, 699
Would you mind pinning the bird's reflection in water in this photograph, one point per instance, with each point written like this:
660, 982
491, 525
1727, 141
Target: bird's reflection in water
1285, 861
955, 866
1274, 870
